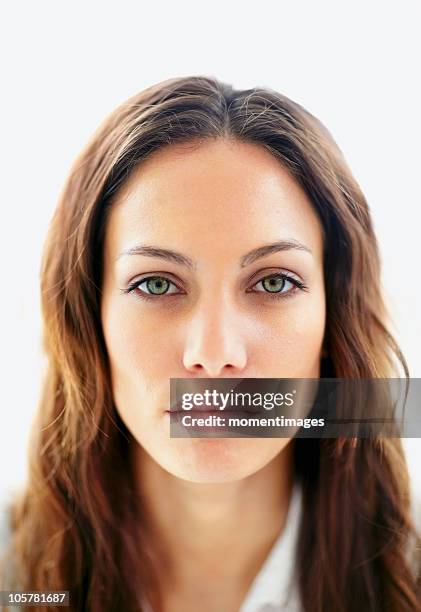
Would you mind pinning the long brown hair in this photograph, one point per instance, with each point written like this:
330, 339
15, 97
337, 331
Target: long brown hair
77, 525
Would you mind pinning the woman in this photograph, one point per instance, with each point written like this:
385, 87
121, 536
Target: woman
210, 232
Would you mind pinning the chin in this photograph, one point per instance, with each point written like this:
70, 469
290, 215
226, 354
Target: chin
217, 460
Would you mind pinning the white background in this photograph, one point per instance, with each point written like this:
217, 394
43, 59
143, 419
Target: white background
355, 65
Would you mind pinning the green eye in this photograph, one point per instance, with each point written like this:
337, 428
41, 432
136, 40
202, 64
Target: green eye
157, 285
279, 285
273, 284
152, 287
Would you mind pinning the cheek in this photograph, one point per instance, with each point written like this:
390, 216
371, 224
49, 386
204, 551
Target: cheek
136, 346
134, 339
294, 339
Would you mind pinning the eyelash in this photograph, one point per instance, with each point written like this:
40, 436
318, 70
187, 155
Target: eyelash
299, 285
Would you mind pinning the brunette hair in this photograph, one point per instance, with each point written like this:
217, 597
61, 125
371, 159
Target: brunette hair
77, 525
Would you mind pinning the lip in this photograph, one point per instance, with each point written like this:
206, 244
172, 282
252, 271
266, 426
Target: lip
206, 410
178, 409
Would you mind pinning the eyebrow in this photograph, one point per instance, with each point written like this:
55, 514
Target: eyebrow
179, 258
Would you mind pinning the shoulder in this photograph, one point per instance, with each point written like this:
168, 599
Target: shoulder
416, 507
6, 500
413, 551
5, 521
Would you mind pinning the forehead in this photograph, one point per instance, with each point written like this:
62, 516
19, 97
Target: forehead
232, 192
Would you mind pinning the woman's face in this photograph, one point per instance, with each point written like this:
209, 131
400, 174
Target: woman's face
209, 315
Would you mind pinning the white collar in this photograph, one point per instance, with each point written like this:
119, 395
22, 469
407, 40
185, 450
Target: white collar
274, 587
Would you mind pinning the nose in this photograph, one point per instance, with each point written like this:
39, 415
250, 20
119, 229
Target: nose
215, 345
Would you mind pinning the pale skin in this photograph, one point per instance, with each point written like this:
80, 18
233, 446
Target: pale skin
217, 504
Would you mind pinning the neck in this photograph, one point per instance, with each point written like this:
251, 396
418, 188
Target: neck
224, 530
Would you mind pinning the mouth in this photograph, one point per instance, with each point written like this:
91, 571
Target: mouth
212, 410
